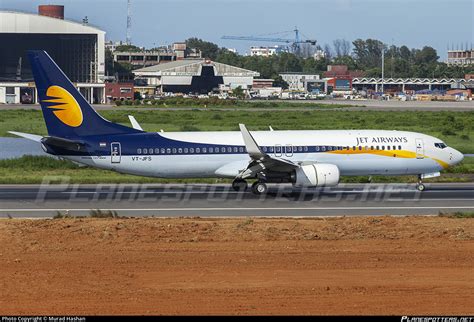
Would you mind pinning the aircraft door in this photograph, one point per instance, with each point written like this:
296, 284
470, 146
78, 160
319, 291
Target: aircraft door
420, 149
289, 150
115, 152
278, 150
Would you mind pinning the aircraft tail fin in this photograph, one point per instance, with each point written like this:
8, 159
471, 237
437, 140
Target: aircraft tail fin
66, 112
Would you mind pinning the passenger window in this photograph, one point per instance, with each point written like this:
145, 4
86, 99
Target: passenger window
157, 151
204, 150
264, 149
174, 150
323, 148
383, 147
270, 149
235, 149
371, 147
180, 150
168, 150
377, 147
241, 149
145, 151
360, 148
223, 150
353, 148
191, 150
300, 149
139, 151
305, 149
388, 147
162, 151
329, 148
399, 147
198, 150
211, 150
186, 150
317, 148
394, 147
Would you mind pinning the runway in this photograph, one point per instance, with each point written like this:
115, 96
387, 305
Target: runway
174, 200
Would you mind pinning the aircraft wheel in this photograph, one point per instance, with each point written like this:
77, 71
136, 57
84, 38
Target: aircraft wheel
420, 187
259, 188
239, 185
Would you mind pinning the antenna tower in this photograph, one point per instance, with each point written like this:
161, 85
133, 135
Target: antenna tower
129, 22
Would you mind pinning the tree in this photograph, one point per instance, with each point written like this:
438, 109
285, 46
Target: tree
208, 49
342, 47
238, 92
280, 82
129, 48
427, 55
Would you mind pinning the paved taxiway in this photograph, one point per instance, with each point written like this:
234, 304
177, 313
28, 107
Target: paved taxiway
356, 105
219, 200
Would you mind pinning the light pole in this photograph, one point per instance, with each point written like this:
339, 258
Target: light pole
383, 65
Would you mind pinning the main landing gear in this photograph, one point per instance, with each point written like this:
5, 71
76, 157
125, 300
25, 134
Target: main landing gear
258, 187
239, 185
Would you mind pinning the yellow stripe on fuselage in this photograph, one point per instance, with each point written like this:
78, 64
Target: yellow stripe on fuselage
389, 153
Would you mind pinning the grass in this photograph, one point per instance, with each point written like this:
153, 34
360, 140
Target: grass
458, 214
455, 128
178, 102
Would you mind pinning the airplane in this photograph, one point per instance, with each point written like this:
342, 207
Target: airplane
304, 158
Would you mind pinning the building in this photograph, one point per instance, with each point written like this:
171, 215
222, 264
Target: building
407, 84
262, 83
164, 54
265, 51
461, 57
300, 81
118, 91
319, 54
77, 48
192, 76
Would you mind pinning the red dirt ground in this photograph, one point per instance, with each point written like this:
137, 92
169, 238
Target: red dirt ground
368, 265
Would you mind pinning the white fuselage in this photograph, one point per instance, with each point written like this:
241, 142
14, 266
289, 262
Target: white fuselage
354, 152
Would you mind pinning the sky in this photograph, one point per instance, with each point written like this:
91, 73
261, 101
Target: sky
436, 23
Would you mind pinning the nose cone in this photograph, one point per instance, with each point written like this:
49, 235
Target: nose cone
457, 157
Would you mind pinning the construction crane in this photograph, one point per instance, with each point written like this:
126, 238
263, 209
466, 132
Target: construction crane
294, 42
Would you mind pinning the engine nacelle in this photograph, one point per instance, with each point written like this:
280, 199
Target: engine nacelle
316, 175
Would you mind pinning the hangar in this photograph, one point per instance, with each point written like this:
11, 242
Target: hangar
77, 48
199, 76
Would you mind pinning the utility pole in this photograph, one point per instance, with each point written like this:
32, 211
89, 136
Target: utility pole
383, 65
129, 22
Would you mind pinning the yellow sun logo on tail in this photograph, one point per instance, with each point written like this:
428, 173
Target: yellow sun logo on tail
65, 106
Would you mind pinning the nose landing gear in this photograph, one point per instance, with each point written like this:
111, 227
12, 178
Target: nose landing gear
420, 186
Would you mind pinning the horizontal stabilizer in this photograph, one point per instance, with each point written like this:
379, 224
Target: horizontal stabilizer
32, 137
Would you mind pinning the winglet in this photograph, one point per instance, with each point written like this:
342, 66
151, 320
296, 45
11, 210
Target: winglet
135, 124
252, 147
270, 127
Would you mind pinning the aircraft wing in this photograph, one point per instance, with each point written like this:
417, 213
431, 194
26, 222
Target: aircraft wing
261, 161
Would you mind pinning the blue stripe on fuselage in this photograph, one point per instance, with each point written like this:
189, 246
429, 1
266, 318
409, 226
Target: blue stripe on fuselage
131, 143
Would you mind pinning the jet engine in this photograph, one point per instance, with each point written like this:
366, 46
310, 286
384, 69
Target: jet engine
316, 175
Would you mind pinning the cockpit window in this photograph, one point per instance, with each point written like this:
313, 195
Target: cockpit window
440, 145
